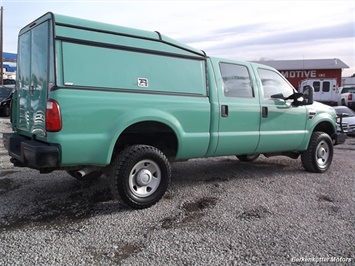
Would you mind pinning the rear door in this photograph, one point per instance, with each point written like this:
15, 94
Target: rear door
33, 69
239, 109
317, 89
325, 90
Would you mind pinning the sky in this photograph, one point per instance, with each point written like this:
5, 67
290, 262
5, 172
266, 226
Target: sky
248, 30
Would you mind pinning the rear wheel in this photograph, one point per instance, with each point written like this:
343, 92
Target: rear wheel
319, 155
140, 176
248, 158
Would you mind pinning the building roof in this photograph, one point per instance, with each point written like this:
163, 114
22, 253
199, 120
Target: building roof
334, 63
9, 57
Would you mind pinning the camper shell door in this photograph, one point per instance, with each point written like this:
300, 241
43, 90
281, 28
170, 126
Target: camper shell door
35, 77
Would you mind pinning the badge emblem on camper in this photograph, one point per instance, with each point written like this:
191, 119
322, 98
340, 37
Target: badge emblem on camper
143, 82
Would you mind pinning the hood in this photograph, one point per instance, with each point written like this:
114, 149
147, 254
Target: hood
321, 108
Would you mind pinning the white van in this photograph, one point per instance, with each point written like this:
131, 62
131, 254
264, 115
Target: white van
325, 90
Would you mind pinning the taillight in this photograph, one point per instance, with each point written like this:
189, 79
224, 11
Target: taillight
53, 118
350, 97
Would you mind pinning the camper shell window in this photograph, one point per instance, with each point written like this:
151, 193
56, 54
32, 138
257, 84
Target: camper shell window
102, 67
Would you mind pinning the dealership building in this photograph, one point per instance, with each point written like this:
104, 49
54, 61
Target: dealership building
297, 70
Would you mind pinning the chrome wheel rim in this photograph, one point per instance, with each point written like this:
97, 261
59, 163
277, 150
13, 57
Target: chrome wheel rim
322, 154
144, 178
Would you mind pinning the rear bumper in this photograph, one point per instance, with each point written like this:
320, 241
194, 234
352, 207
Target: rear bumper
31, 153
339, 138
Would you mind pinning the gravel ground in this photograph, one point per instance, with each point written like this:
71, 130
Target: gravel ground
218, 211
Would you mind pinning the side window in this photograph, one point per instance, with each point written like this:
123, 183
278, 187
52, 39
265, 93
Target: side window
274, 83
236, 81
326, 86
316, 86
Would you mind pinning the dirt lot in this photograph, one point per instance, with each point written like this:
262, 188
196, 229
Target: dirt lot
217, 211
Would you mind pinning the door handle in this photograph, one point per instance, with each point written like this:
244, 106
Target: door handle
32, 90
264, 112
224, 110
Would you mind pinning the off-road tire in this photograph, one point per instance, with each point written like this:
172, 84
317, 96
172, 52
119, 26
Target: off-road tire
140, 176
319, 154
248, 158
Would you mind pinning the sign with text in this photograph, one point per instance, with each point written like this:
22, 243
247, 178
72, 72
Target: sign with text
296, 76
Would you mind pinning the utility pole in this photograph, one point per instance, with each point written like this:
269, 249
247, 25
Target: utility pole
1, 49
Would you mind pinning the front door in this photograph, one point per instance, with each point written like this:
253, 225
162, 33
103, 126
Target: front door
282, 126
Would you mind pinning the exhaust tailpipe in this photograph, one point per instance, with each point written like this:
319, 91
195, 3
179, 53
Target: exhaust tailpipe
85, 171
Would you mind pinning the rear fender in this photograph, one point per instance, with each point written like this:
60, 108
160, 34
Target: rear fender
131, 118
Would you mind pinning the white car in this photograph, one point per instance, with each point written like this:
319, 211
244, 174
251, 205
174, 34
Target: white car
348, 119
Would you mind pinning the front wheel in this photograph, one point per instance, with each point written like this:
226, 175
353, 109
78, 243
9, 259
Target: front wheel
140, 176
319, 155
7, 111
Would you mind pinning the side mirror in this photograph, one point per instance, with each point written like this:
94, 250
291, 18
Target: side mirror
278, 96
308, 92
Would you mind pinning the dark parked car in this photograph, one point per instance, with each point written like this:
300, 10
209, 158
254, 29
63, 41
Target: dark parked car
5, 99
9, 82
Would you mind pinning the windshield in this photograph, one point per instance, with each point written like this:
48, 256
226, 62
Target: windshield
344, 110
4, 92
348, 89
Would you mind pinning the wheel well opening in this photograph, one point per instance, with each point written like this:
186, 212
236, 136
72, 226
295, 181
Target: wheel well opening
325, 127
150, 133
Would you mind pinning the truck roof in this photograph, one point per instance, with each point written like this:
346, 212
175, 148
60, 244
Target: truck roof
67, 22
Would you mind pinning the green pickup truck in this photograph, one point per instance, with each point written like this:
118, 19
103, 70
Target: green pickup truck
93, 98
